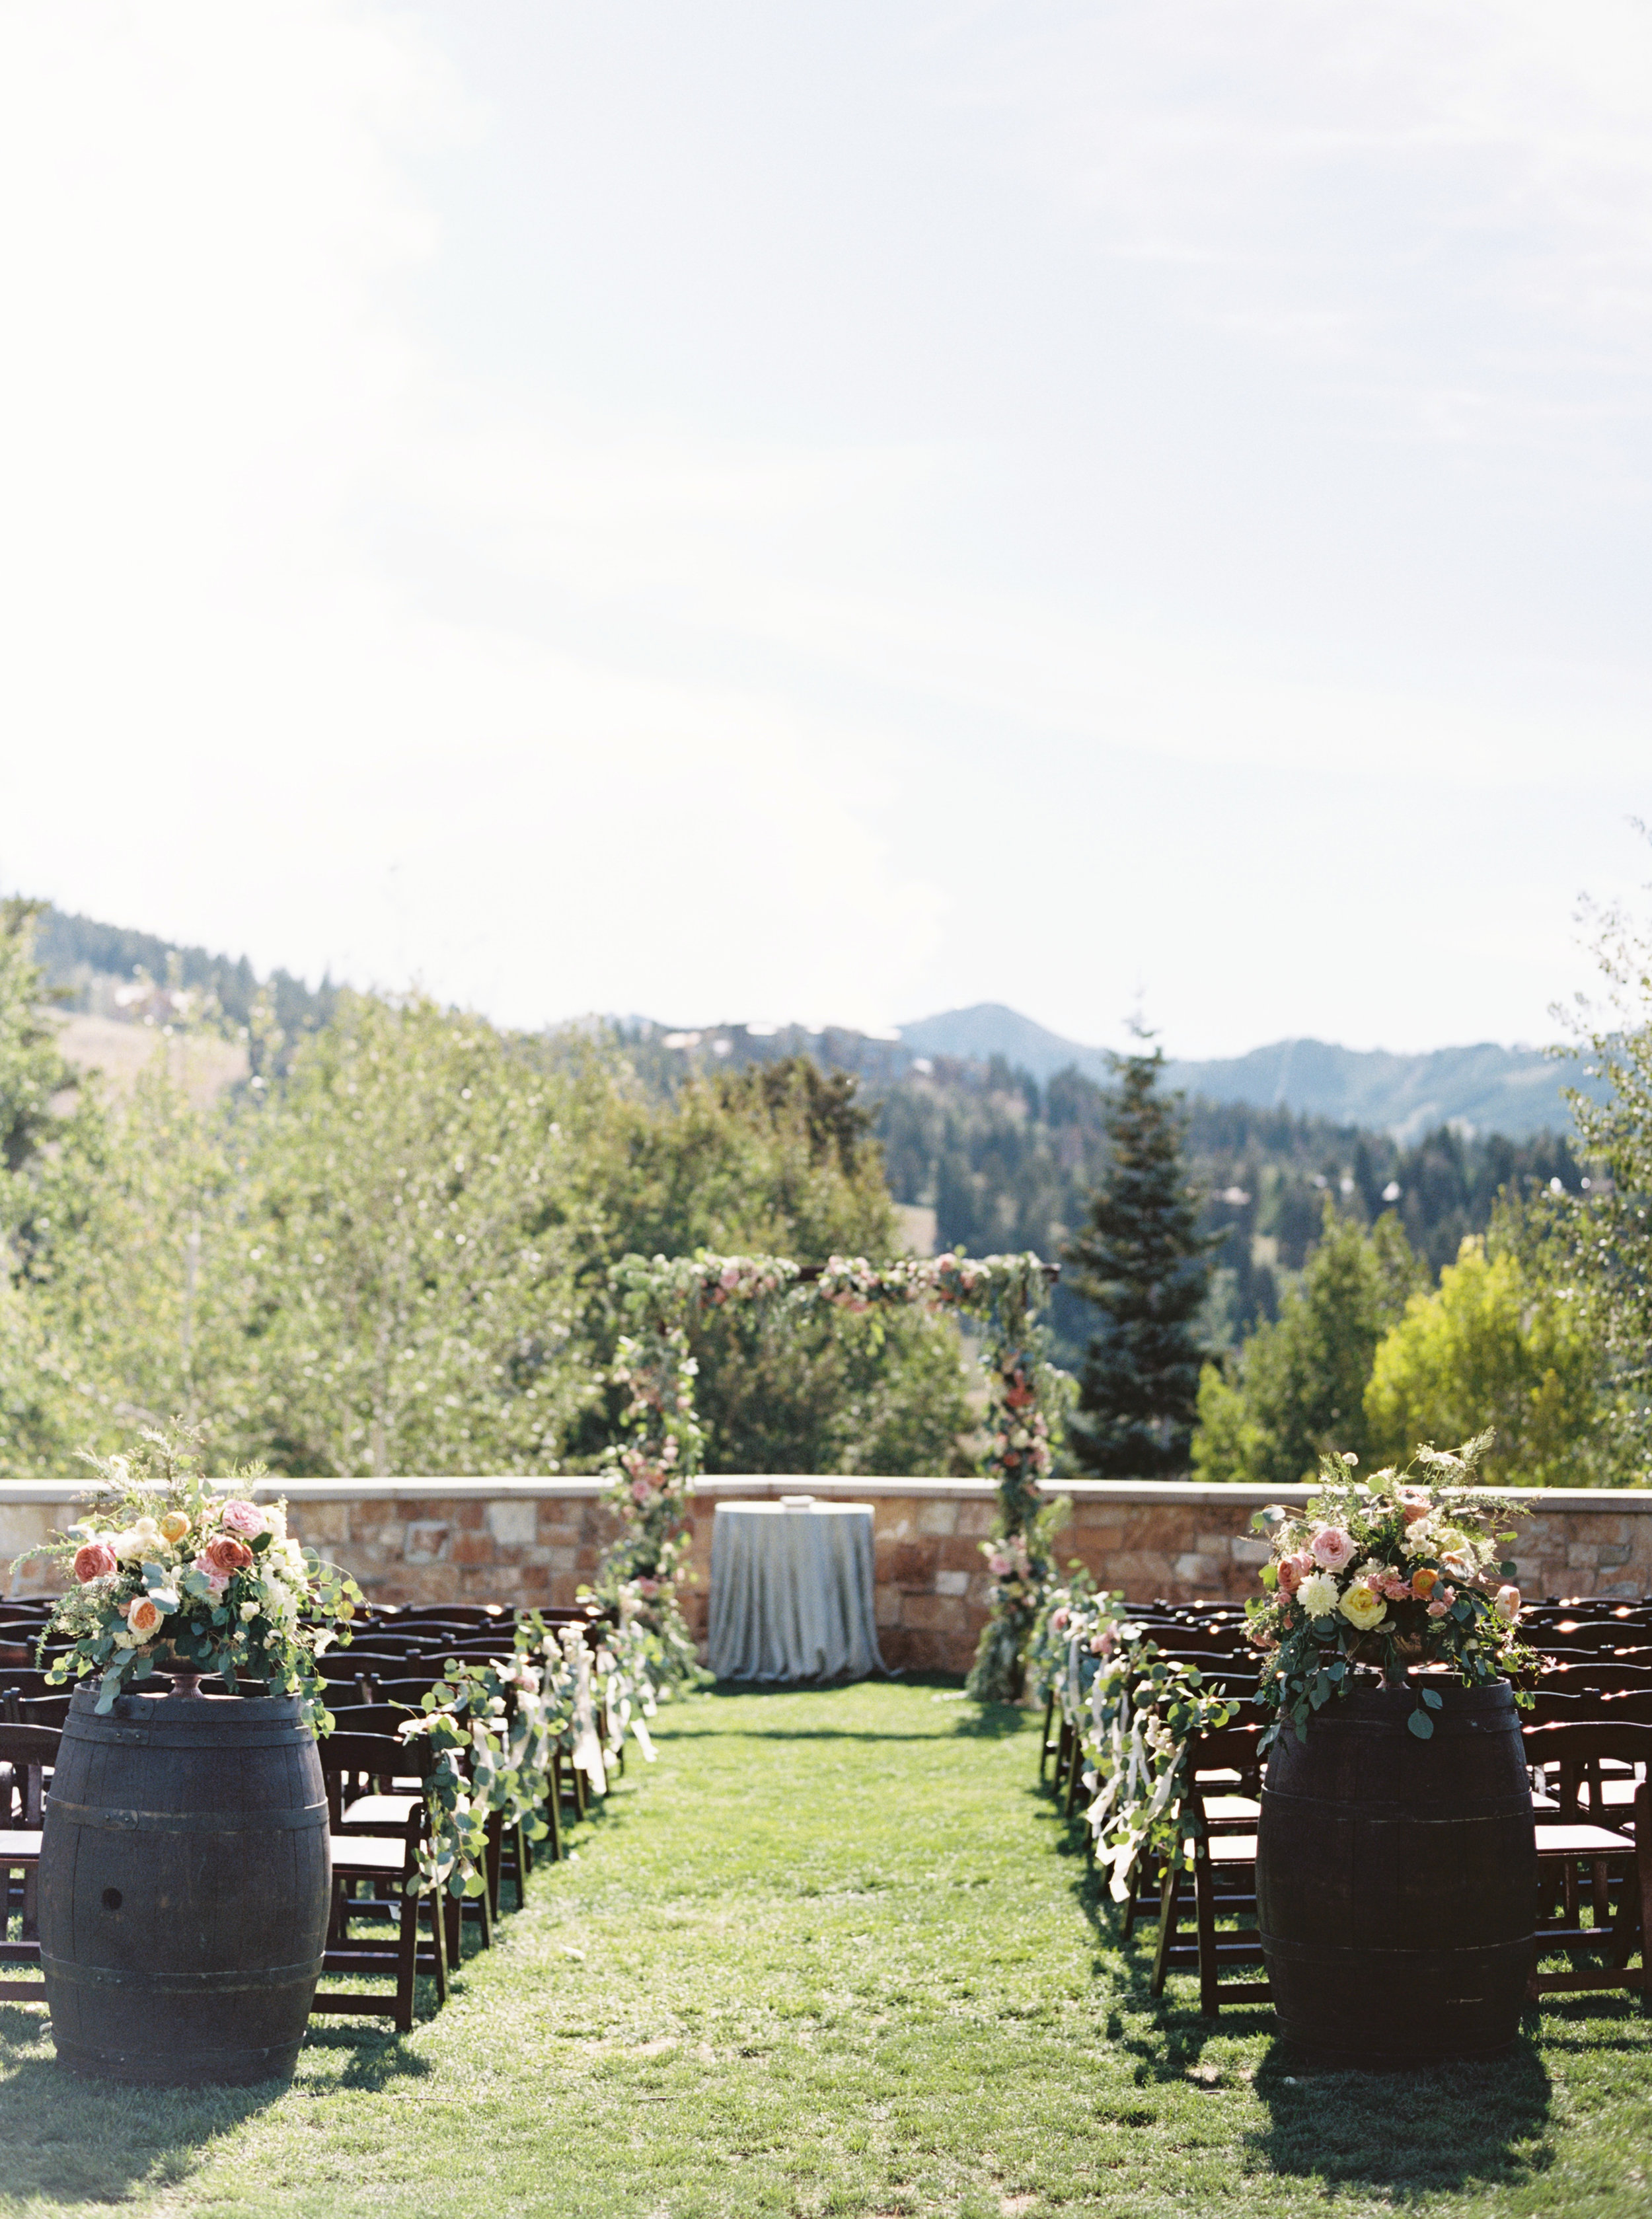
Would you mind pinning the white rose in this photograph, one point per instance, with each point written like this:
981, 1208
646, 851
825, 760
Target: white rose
249, 1611
1317, 1594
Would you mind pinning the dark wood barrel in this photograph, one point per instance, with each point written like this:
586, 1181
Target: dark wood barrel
184, 1883
1397, 1879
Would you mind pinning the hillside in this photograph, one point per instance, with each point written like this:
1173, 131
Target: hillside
1518, 1091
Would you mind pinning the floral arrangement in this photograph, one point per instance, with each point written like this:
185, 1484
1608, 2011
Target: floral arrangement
168, 1571
1405, 1569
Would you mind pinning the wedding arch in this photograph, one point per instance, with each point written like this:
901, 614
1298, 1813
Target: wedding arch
654, 1466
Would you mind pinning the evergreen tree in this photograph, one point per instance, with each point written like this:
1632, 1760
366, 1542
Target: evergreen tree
1143, 1263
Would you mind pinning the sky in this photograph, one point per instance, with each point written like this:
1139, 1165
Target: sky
755, 512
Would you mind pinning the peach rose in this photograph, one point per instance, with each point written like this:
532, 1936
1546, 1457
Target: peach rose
174, 1525
1292, 1570
143, 1617
93, 1561
225, 1555
1507, 1603
244, 1518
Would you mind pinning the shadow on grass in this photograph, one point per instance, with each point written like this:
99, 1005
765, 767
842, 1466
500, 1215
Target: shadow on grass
82, 2140
1411, 2135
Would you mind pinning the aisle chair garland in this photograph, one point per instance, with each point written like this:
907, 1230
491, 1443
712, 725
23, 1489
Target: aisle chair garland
653, 1471
1135, 1711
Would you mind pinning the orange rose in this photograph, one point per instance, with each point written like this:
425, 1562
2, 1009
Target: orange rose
227, 1556
1423, 1583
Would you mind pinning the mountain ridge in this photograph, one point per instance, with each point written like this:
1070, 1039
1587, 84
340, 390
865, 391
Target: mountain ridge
1483, 1086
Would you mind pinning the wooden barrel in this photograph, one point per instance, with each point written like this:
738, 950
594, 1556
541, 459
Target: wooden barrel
1397, 1879
184, 1883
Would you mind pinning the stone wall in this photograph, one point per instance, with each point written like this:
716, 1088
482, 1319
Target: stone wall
534, 1541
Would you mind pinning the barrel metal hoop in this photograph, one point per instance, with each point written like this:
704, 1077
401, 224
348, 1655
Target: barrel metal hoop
179, 1983
289, 1818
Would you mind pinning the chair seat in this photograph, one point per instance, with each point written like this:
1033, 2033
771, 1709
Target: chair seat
1555, 1841
1232, 1849
19, 1844
370, 1853
1229, 1809
373, 1814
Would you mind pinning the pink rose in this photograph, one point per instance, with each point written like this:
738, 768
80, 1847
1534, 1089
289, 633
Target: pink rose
1444, 1598
225, 1555
641, 1490
1395, 1589
94, 1560
998, 1565
1292, 1570
1332, 1548
648, 1588
1058, 1619
244, 1518
216, 1581
1414, 1506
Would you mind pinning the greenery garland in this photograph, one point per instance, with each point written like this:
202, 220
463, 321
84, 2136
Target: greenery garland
1135, 1712
653, 1470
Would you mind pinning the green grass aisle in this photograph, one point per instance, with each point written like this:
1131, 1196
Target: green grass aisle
835, 1954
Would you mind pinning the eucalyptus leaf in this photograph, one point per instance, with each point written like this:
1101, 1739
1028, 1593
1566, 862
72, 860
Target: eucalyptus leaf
1421, 1724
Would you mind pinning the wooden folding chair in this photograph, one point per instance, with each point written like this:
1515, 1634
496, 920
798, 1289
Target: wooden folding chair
27, 1756
390, 1859
1576, 1837
1219, 1809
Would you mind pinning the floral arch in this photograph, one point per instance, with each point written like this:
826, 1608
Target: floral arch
654, 1468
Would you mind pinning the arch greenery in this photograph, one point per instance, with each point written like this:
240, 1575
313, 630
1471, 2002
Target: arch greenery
654, 1467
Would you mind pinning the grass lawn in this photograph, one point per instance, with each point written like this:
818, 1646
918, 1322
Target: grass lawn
835, 1953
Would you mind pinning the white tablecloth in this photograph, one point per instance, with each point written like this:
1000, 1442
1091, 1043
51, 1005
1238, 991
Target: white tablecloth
792, 1592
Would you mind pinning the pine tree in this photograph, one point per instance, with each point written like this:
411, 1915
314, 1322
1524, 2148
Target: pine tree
1143, 1263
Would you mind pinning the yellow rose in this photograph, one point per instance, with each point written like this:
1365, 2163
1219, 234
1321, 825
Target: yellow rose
1362, 1606
174, 1525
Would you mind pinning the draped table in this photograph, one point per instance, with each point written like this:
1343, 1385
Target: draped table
791, 1591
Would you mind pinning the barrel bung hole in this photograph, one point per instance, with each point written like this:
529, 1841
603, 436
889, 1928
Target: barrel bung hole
111, 1899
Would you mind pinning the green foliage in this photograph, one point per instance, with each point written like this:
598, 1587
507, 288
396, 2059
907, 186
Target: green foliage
1006, 1163
392, 1253
32, 1069
1298, 1389
1493, 1346
1142, 1263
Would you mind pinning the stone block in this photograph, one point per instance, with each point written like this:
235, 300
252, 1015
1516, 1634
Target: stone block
1250, 1550
316, 1522
891, 1515
1613, 1552
424, 1541
473, 1549
907, 1565
1196, 1571
959, 1554
952, 1583
513, 1522
933, 1612
562, 1559
468, 1511
1582, 1556
886, 1605
937, 1515
975, 1519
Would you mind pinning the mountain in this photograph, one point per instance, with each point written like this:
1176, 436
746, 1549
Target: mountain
1486, 1087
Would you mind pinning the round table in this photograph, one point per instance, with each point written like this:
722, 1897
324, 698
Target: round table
791, 1591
